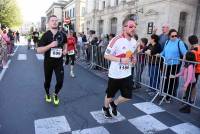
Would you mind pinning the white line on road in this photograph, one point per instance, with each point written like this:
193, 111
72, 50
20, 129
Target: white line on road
22, 57
4, 70
40, 56
16, 49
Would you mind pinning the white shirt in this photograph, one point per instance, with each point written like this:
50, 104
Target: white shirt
118, 47
80, 42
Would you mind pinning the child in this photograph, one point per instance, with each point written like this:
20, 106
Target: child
188, 73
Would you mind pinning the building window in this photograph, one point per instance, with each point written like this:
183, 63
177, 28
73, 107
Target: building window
182, 24
113, 25
70, 13
67, 13
83, 11
100, 27
73, 12
103, 4
82, 26
116, 2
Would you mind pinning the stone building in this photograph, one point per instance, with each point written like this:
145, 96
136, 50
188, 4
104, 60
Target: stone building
106, 16
75, 10
57, 9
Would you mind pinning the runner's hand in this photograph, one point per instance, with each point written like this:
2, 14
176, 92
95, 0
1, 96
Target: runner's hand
53, 44
64, 51
125, 60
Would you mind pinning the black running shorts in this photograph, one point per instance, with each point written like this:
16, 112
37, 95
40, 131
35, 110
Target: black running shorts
124, 85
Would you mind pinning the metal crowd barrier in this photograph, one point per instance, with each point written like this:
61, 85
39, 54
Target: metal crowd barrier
173, 87
159, 81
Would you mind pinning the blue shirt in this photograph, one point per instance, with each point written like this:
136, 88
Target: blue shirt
162, 40
171, 52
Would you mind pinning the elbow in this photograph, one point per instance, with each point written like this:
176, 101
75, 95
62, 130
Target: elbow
106, 57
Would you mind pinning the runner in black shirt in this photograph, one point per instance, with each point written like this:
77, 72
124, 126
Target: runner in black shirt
35, 38
52, 45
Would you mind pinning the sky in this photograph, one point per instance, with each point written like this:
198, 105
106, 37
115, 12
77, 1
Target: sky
33, 10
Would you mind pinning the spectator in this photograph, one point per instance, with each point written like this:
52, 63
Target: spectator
17, 37
171, 53
188, 73
164, 36
140, 64
111, 36
12, 41
3, 52
79, 45
154, 72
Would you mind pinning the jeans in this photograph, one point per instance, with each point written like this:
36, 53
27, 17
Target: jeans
154, 74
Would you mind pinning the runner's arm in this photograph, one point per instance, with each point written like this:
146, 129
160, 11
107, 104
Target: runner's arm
43, 49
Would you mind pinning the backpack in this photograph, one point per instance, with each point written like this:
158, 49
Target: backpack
180, 54
196, 51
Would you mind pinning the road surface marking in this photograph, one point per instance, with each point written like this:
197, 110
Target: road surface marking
53, 125
185, 128
22, 57
148, 124
148, 107
99, 117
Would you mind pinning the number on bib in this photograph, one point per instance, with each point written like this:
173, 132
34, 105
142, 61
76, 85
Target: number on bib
71, 52
56, 52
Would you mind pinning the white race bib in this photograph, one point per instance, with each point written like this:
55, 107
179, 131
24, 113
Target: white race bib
123, 66
56, 52
71, 52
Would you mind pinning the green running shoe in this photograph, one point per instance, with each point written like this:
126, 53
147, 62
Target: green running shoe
48, 98
55, 99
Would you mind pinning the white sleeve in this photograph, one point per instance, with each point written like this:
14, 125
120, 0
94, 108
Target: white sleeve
111, 48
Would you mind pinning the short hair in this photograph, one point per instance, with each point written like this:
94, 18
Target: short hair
51, 17
144, 40
193, 39
165, 24
155, 37
171, 31
190, 56
126, 20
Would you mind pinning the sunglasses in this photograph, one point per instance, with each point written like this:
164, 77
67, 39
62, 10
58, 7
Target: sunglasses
131, 26
173, 36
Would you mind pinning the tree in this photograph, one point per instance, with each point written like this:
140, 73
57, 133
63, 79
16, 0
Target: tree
10, 13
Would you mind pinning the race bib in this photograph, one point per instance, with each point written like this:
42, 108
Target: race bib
123, 66
56, 52
71, 52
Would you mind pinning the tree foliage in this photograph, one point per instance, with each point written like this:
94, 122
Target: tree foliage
10, 13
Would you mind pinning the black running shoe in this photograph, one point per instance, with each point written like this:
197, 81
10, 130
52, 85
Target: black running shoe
114, 108
106, 112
